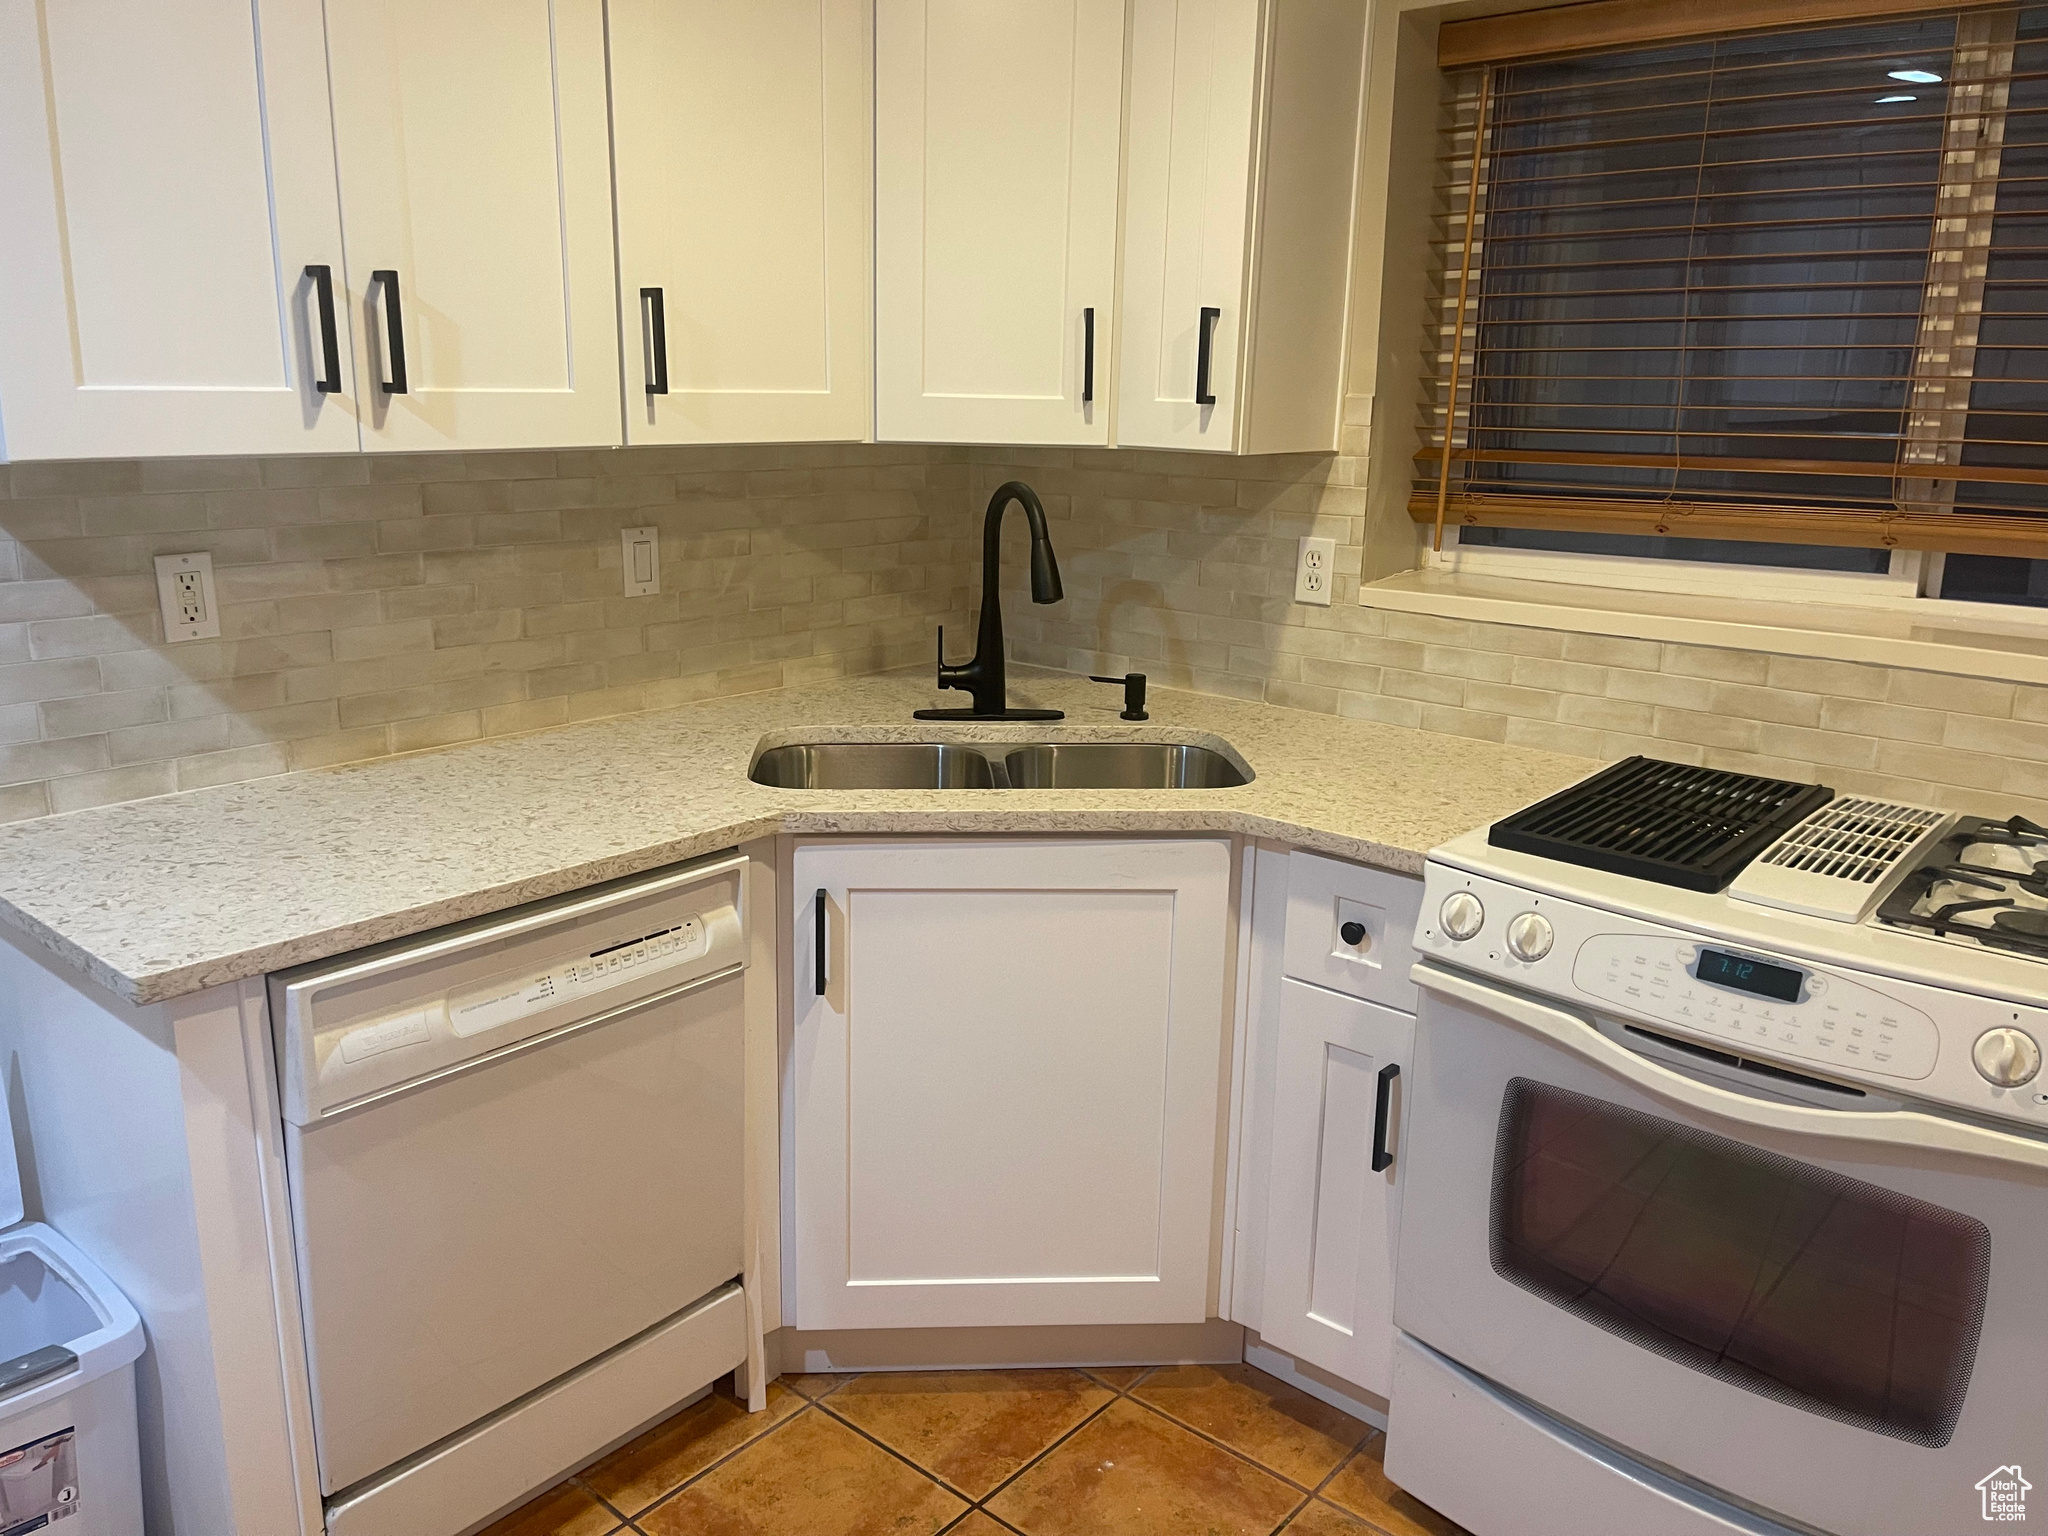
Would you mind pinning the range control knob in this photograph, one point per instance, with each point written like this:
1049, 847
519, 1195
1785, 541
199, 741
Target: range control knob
1462, 915
2006, 1057
1529, 936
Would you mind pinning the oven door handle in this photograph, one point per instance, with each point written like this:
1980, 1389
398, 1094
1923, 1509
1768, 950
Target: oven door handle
1887, 1128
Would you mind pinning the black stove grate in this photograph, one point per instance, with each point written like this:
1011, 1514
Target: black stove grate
1694, 828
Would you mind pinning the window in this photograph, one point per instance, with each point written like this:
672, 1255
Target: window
1773, 299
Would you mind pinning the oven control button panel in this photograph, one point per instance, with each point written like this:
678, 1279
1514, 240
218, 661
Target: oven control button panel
1763, 1004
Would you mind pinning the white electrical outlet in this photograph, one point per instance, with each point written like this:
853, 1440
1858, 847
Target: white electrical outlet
184, 588
640, 553
1312, 571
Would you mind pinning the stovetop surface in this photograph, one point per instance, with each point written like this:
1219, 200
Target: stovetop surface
1964, 951
1985, 884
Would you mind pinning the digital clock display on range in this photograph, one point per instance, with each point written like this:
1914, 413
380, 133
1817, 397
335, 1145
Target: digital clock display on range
1741, 974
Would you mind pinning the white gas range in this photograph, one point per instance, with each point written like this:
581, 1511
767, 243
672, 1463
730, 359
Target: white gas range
1727, 1190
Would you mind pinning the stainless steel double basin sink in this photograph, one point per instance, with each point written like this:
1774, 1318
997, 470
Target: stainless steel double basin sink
995, 765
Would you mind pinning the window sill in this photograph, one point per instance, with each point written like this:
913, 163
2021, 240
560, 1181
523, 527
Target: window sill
2013, 649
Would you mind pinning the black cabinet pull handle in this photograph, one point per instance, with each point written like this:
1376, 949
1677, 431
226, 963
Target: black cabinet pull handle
819, 946
394, 330
1382, 1159
330, 341
1205, 330
1088, 355
657, 341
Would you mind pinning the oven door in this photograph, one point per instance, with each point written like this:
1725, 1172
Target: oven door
1837, 1317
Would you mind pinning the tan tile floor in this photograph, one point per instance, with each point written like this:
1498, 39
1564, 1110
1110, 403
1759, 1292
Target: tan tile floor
1203, 1450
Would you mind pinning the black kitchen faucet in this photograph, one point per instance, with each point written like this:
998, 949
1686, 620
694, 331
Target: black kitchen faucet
983, 677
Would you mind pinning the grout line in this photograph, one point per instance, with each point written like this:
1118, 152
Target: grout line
1371, 1525
1233, 1450
1316, 1494
711, 1466
961, 1493
603, 1502
1047, 1451
629, 1523
1329, 1477
846, 1380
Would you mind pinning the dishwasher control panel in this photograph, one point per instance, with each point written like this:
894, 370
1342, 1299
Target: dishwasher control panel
361, 1028
500, 1002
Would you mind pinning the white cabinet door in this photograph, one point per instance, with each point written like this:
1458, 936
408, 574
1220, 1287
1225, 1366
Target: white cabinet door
1240, 177
997, 135
475, 166
742, 132
1328, 1293
166, 178
1005, 1093
1187, 216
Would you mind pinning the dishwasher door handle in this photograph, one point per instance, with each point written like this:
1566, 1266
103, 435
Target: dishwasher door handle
517, 1047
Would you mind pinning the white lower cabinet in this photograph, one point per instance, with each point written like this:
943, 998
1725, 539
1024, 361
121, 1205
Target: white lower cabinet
1319, 1165
1005, 1077
1333, 1195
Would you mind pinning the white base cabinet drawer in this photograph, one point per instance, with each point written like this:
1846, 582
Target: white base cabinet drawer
1331, 1214
1005, 1078
1352, 929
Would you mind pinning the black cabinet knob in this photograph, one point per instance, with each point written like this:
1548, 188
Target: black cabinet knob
1352, 934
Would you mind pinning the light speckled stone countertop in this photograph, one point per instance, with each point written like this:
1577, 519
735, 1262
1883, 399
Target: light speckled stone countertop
162, 897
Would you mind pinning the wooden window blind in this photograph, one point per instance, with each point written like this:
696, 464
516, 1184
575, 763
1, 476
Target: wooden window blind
1786, 285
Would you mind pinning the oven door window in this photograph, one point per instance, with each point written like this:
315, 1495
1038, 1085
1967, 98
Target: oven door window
1824, 1292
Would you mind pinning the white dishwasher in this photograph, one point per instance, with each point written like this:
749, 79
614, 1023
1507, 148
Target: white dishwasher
513, 1149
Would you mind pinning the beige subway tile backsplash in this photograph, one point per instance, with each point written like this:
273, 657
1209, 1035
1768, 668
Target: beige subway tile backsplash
1866, 729
378, 604
373, 605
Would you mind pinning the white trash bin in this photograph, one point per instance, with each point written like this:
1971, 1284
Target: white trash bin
69, 1462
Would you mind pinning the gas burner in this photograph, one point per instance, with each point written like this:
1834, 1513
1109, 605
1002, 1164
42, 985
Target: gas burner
2022, 920
1985, 884
1978, 875
2014, 829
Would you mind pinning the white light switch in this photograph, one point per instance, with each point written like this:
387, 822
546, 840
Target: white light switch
184, 590
640, 551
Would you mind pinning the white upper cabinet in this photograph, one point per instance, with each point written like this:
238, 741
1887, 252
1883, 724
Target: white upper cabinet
1006, 1072
742, 147
474, 153
166, 178
1194, 69
1239, 177
997, 137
